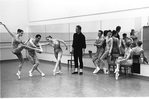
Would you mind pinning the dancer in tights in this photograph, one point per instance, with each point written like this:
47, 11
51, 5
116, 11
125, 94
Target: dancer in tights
55, 43
126, 60
31, 54
100, 50
107, 53
17, 46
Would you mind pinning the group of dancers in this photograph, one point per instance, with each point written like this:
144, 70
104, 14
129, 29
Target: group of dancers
32, 46
109, 46
123, 51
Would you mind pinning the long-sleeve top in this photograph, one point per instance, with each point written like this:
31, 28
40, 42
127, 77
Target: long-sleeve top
79, 41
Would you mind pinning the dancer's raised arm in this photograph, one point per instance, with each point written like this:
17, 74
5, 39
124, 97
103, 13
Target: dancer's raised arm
63, 43
13, 35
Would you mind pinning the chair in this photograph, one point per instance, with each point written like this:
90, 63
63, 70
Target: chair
126, 68
111, 62
112, 65
70, 61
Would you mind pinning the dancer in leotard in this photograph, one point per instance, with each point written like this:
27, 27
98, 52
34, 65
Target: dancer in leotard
126, 60
17, 46
100, 50
55, 43
107, 53
31, 54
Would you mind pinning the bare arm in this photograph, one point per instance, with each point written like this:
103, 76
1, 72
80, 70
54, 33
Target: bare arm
45, 44
131, 40
63, 43
40, 48
111, 41
31, 42
128, 55
144, 58
142, 52
13, 35
120, 43
95, 44
26, 41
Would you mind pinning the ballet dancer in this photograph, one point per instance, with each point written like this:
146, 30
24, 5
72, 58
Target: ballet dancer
17, 46
55, 43
31, 54
100, 50
108, 49
126, 60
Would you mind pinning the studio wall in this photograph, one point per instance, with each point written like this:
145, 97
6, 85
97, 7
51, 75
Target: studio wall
14, 14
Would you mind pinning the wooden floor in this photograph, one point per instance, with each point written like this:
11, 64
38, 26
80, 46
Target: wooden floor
66, 84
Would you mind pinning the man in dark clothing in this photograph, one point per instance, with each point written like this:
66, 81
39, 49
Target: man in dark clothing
78, 48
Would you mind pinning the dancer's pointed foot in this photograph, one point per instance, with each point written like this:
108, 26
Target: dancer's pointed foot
54, 72
59, 72
42, 74
96, 70
107, 72
30, 74
116, 75
18, 75
104, 70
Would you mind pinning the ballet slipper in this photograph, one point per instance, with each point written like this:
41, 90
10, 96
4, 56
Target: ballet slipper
59, 72
116, 75
30, 74
18, 75
54, 72
42, 74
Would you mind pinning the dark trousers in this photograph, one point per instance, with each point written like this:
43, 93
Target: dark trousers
78, 55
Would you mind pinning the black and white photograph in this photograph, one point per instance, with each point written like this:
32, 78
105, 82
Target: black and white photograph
74, 48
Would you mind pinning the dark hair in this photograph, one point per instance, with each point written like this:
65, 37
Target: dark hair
19, 30
100, 31
113, 32
109, 31
124, 34
139, 43
132, 32
118, 28
49, 36
79, 27
105, 32
38, 35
